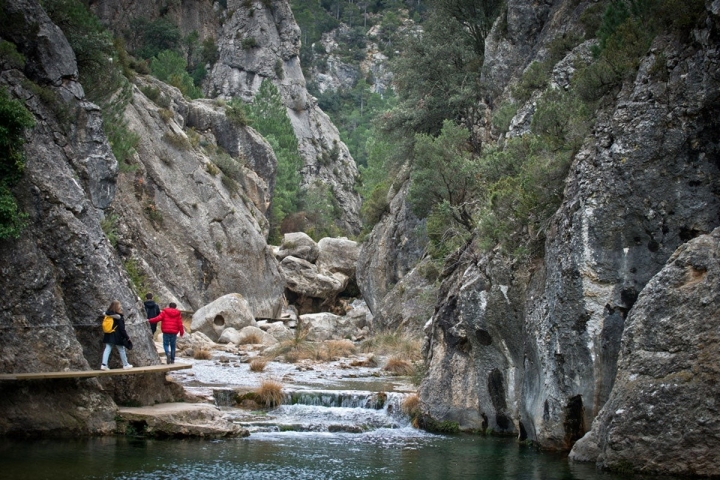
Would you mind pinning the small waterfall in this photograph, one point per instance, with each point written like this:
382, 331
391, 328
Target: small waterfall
333, 411
224, 397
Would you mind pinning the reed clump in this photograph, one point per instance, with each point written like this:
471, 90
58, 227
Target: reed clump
270, 393
258, 364
394, 343
399, 366
202, 354
250, 339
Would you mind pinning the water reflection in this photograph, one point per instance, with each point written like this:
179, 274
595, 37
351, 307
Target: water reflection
378, 454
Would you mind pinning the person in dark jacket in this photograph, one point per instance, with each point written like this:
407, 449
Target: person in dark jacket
171, 319
152, 310
119, 337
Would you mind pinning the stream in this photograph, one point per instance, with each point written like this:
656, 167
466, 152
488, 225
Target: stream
336, 422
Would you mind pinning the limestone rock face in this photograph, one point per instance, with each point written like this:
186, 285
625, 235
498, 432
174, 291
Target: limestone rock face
299, 245
228, 311
62, 272
392, 249
279, 331
640, 187
665, 394
260, 42
196, 231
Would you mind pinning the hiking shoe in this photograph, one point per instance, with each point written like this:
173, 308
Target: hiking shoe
127, 367
104, 367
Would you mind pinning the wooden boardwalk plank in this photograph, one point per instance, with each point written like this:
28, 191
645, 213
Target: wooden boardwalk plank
94, 373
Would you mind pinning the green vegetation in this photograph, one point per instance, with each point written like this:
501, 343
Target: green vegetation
136, 276
268, 116
170, 67
15, 119
10, 55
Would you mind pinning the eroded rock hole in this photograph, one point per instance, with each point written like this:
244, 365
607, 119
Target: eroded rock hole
483, 337
574, 420
523, 433
219, 321
496, 388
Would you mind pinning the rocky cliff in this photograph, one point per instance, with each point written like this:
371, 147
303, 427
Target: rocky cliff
531, 348
62, 272
260, 40
190, 217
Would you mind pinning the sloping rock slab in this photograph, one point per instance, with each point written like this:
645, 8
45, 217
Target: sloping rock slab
178, 420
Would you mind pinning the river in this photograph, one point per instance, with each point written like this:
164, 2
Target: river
331, 427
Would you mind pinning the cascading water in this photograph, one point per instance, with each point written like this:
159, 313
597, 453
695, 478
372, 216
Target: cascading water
330, 411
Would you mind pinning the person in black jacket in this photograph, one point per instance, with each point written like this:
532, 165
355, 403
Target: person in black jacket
152, 310
118, 337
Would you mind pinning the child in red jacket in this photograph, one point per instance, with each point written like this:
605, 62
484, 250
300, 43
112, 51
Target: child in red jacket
171, 319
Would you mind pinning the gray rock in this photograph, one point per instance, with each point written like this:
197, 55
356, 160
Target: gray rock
180, 420
240, 72
304, 278
664, 397
338, 255
194, 233
280, 332
299, 245
320, 327
228, 311
395, 245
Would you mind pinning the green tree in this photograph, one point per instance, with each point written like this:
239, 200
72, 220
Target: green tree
14, 120
169, 67
476, 16
268, 115
437, 79
445, 172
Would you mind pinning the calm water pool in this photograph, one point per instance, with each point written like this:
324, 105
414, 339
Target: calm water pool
384, 453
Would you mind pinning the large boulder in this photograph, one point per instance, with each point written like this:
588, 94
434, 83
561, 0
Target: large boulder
338, 255
304, 278
665, 394
326, 326
300, 245
280, 331
230, 310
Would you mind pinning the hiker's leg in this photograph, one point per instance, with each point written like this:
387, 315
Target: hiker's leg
166, 346
106, 353
173, 341
123, 355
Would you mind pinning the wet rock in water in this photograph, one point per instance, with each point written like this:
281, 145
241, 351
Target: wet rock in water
230, 310
178, 420
345, 428
299, 245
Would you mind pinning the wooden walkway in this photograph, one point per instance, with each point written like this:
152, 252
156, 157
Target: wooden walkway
94, 373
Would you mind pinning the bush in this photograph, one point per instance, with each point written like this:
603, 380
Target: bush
236, 113
15, 119
503, 115
10, 55
248, 43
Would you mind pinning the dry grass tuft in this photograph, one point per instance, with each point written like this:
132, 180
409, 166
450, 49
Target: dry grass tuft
202, 354
339, 348
270, 393
394, 343
398, 366
258, 364
250, 339
369, 361
411, 405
